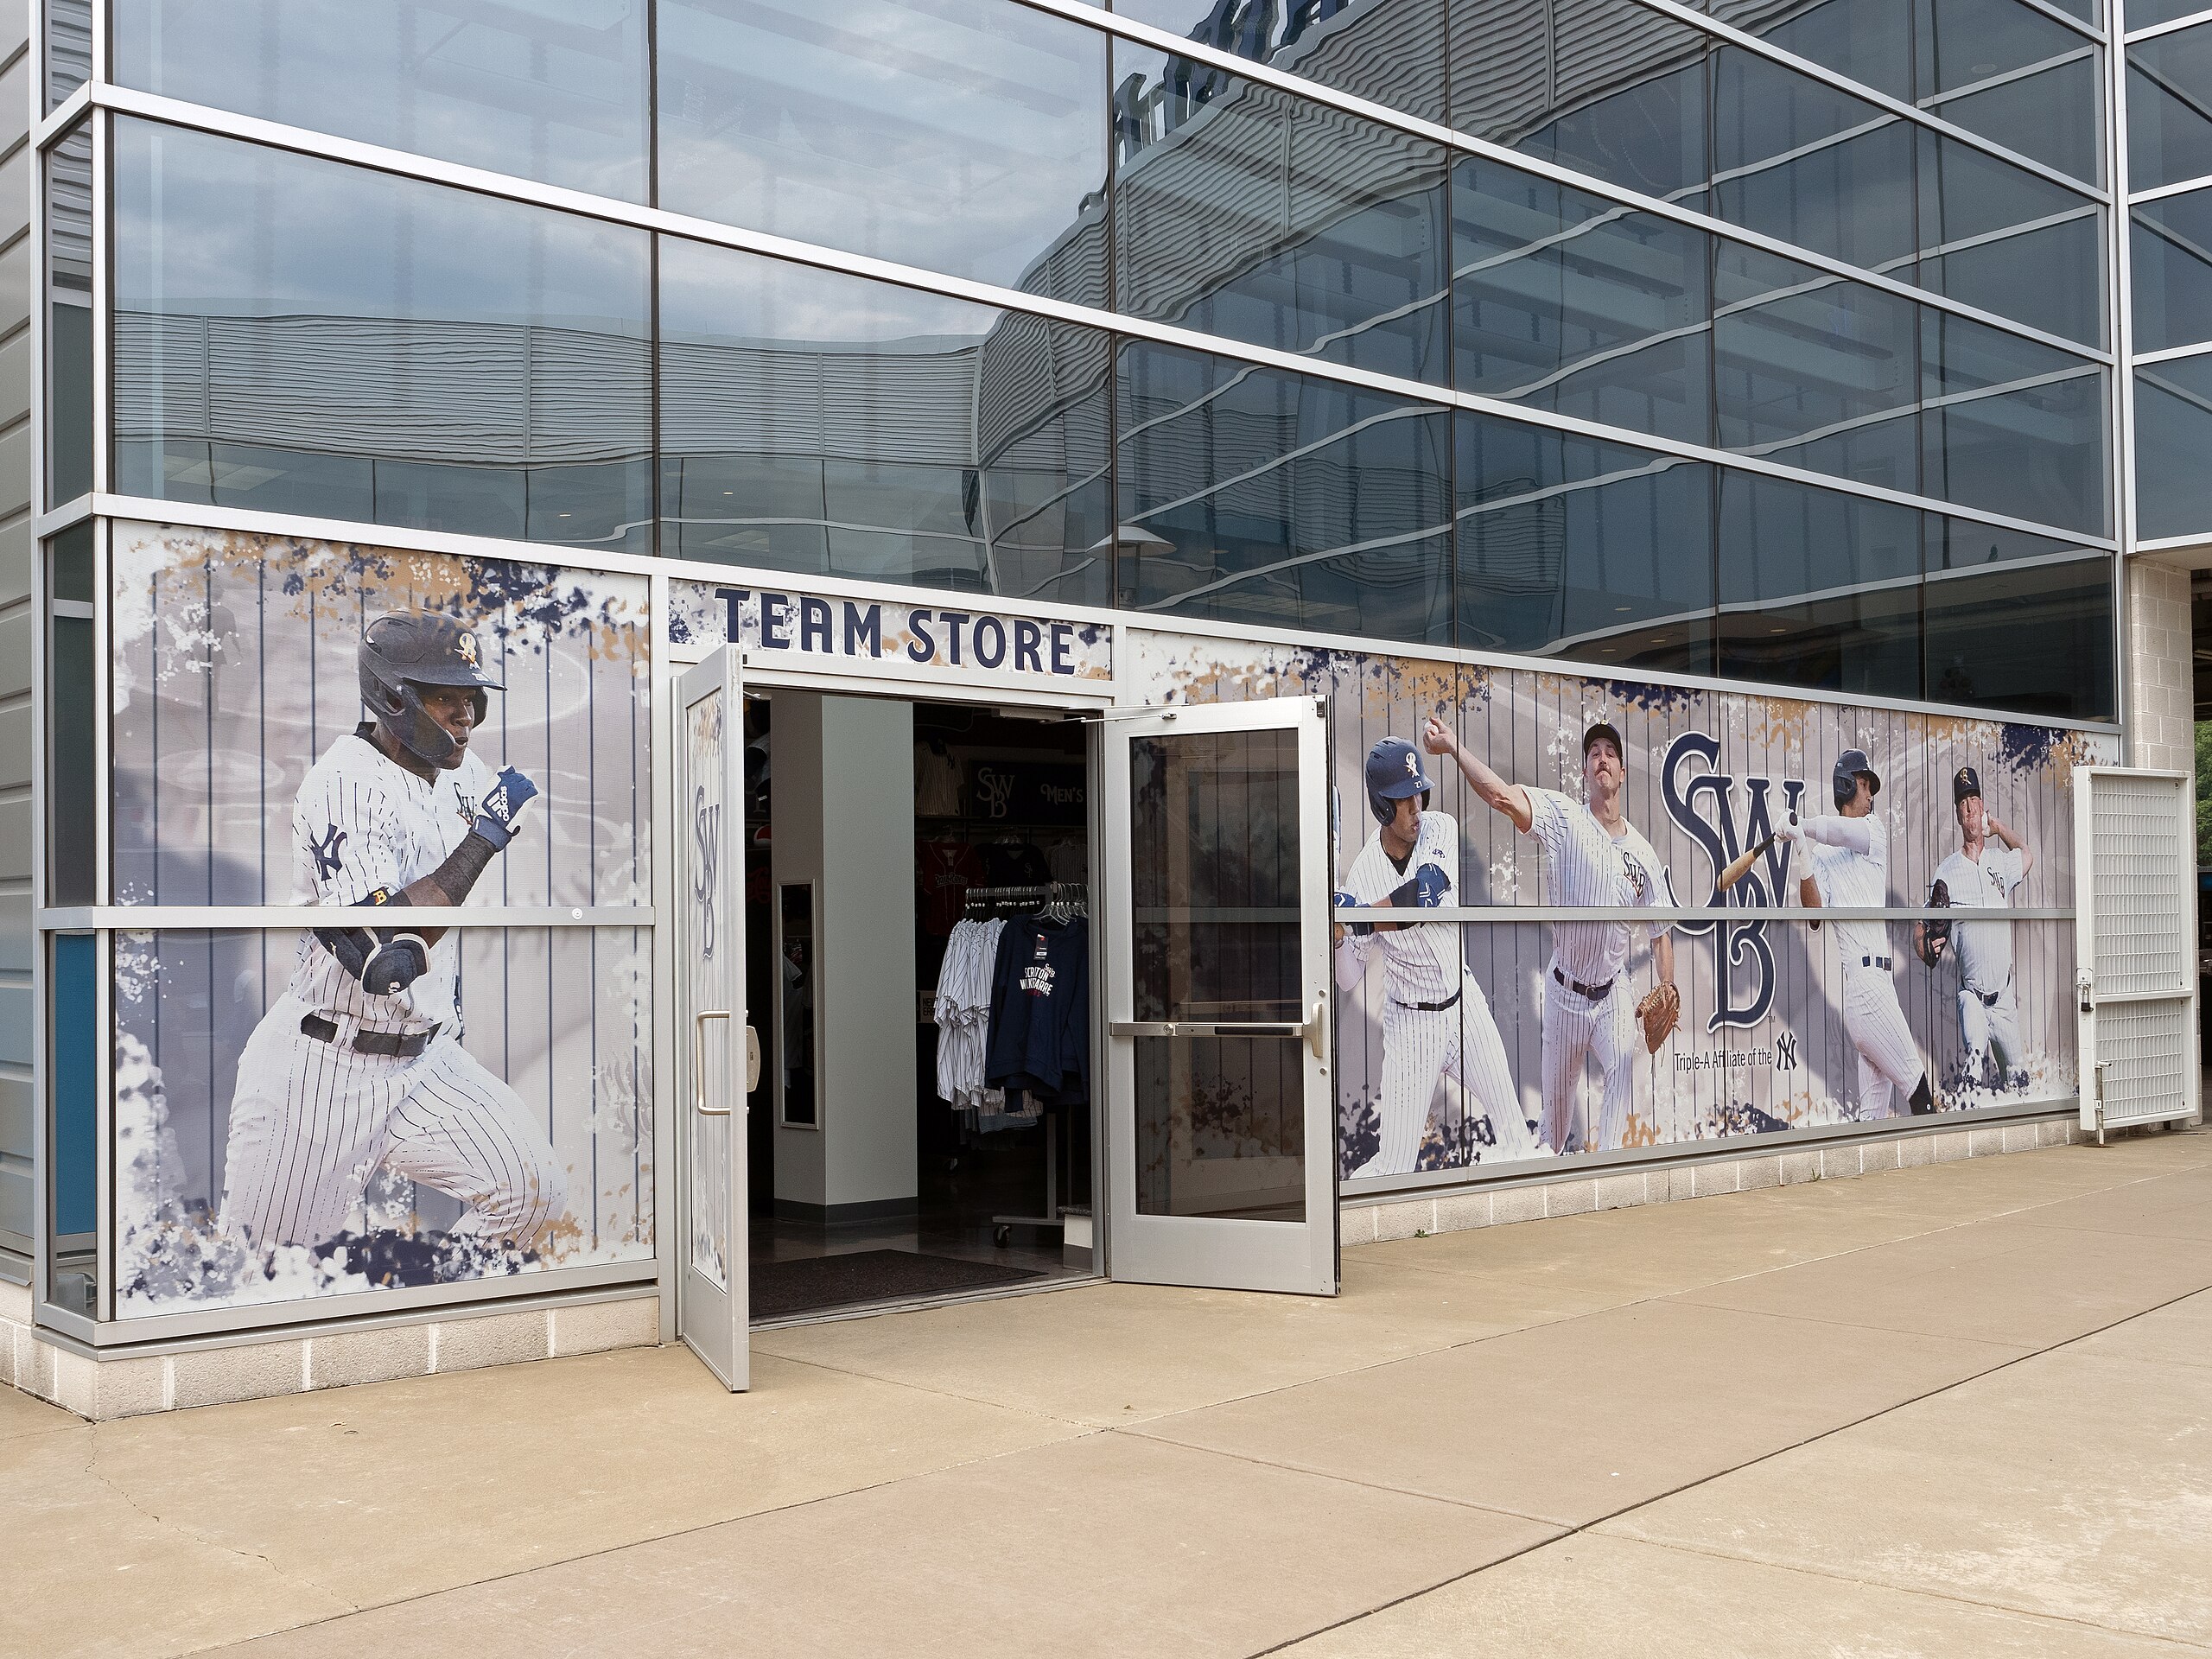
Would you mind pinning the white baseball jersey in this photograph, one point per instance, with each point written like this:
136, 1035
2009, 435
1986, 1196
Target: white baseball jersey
1421, 964
1984, 949
360, 822
1853, 880
1586, 864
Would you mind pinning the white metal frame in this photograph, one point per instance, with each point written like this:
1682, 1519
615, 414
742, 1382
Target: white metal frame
1212, 1251
2098, 1112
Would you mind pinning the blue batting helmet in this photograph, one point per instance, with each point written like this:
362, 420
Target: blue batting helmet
1394, 772
1850, 766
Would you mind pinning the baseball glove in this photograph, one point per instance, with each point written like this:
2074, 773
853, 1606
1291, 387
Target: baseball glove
1935, 933
1661, 1008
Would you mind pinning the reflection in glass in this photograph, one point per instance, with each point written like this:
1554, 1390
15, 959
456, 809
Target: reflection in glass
555, 93
1573, 548
1216, 921
2035, 639
68, 48
69, 316
298, 336
72, 827
2169, 108
797, 974
2000, 238
2171, 271
1247, 495
72, 1086
1391, 51
963, 135
830, 425
2173, 435
1247, 212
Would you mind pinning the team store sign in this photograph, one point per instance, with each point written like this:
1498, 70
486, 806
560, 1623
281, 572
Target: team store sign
949, 643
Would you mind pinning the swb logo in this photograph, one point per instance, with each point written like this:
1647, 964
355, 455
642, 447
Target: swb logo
1686, 779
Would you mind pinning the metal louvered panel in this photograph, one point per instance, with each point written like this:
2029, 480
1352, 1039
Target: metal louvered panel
2142, 869
2150, 1056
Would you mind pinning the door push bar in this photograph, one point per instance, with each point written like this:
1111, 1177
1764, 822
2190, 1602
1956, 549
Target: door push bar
698, 1063
1314, 1030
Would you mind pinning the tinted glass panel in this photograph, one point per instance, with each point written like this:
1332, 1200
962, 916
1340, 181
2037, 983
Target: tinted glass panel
1253, 496
69, 317
826, 424
2051, 116
2170, 268
72, 827
73, 1071
1565, 301
2169, 109
1391, 51
2001, 238
1871, 41
1818, 588
68, 48
298, 336
963, 135
1576, 549
2142, 14
2028, 442
2032, 639
2173, 436
551, 91
1242, 210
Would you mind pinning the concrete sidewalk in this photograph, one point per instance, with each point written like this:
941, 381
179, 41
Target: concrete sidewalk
1963, 1408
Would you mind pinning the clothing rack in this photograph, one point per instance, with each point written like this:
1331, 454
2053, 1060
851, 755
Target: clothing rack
1074, 898
1075, 895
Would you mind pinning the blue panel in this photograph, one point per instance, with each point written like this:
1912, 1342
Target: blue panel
76, 1066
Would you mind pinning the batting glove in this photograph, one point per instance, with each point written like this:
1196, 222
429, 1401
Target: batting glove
1351, 901
1788, 829
395, 963
501, 811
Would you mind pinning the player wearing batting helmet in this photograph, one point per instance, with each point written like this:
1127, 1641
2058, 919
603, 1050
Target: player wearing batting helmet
1850, 856
1436, 1022
1988, 869
358, 1066
1593, 856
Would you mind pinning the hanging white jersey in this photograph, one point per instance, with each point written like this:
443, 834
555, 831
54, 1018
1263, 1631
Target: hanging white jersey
1586, 864
1850, 880
1984, 949
1423, 962
363, 822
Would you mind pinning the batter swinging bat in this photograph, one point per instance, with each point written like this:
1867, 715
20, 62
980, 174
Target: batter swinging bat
1740, 866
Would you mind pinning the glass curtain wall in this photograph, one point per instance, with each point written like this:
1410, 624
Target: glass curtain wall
298, 335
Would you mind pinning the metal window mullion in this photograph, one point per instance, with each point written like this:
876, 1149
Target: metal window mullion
670, 1250
2120, 459
103, 291
104, 1159
143, 919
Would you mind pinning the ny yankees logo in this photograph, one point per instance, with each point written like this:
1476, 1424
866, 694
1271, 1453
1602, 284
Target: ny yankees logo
1785, 1052
706, 833
327, 862
1746, 942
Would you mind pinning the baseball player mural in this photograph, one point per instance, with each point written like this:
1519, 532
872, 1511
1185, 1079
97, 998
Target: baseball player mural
358, 1068
1593, 856
1850, 856
1436, 1021
1988, 867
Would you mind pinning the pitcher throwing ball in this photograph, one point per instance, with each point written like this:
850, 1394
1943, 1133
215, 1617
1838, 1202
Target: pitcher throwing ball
358, 1066
1850, 854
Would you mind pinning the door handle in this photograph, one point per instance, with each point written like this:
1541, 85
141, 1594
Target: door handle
1317, 1029
698, 1064
752, 1059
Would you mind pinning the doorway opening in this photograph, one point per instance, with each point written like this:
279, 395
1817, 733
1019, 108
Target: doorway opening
917, 881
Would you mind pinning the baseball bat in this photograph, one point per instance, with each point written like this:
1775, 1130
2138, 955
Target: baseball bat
1740, 866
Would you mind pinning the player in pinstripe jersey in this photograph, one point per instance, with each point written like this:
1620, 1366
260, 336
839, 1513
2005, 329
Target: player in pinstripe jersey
1850, 856
1593, 856
1436, 1022
358, 1066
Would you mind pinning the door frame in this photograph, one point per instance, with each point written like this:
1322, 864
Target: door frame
1216, 1252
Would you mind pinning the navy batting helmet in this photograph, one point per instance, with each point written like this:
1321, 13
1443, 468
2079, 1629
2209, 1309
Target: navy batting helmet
1850, 766
1394, 772
409, 649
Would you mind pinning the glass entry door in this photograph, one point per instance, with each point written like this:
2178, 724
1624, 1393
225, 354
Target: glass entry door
711, 1041
1221, 1124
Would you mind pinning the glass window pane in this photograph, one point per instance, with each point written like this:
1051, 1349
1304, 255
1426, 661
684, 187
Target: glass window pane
2032, 639
71, 829
822, 423
964, 135
2171, 270
2012, 426
295, 335
73, 1070
1249, 495
68, 48
69, 317
1608, 87
1870, 41
2173, 436
1391, 51
1565, 301
1567, 547
2053, 116
1813, 371
2143, 14
1818, 588
2169, 108
2001, 238
1245, 211
555, 93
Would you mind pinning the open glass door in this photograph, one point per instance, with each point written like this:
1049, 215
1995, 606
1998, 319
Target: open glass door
710, 1003
1221, 1125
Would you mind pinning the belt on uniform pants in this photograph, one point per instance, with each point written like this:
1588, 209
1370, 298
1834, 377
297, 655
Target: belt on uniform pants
1882, 963
1434, 1008
1595, 993
1988, 999
396, 1045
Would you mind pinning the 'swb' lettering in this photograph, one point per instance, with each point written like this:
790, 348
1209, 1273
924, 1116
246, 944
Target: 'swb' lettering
327, 862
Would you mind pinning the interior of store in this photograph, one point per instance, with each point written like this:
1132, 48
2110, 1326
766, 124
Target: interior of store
921, 1126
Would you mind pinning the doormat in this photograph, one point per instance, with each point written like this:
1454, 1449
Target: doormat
819, 1282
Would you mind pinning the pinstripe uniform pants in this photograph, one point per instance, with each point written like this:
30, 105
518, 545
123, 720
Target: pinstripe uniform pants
1421, 1047
313, 1121
1889, 1068
1574, 1029
1981, 1024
